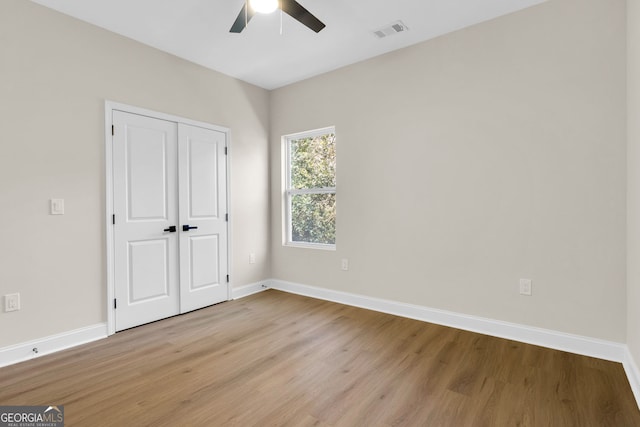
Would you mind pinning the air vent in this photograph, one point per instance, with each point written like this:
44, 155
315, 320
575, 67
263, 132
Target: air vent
391, 29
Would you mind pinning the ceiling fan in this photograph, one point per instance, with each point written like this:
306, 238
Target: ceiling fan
290, 7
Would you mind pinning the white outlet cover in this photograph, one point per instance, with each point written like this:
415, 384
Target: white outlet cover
345, 264
11, 302
525, 287
57, 206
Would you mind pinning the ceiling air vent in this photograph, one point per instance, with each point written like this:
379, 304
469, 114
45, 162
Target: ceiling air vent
391, 29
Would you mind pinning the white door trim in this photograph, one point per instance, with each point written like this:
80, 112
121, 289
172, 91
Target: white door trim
109, 107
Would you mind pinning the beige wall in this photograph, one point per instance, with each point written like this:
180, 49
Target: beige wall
473, 160
633, 183
55, 74
465, 163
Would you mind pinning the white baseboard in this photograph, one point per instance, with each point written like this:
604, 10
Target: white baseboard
24, 351
51, 344
633, 374
586, 346
246, 290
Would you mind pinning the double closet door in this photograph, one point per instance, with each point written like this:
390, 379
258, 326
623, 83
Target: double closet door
170, 223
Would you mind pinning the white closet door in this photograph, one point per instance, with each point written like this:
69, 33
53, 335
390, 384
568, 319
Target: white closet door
203, 224
145, 204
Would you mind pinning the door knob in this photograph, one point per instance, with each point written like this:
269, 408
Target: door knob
171, 229
187, 227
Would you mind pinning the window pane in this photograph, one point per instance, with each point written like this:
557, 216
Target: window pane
313, 218
313, 162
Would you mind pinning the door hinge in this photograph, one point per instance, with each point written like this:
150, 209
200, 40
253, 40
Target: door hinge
226, 151
113, 219
115, 303
113, 130
227, 278
226, 217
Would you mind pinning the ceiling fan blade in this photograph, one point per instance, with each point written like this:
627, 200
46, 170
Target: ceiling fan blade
243, 19
296, 11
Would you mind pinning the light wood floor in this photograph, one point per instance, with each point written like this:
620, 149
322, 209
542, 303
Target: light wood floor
276, 359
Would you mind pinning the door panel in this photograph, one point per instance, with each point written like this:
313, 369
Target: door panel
203, 180
203, 204
205, 270
148, 267
146, 182
145, 204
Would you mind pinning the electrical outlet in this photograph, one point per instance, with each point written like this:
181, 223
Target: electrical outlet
57, 206
345, 264
11, 302
252, 258
525, 287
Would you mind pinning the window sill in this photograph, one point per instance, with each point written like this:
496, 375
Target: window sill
302, 245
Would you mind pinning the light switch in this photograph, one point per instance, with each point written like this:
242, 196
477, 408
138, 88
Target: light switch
57, 206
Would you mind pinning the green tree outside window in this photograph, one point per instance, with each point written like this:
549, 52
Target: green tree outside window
311, 189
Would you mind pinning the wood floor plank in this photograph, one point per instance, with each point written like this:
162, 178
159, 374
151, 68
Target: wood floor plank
276, 359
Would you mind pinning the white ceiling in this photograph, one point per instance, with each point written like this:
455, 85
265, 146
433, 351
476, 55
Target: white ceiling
198, 31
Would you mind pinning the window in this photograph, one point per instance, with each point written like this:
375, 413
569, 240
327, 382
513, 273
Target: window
310, 189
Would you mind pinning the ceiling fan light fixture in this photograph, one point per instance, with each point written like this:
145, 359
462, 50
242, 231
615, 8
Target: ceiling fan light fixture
264, 6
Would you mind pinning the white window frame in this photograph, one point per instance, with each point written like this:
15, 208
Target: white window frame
289, 192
